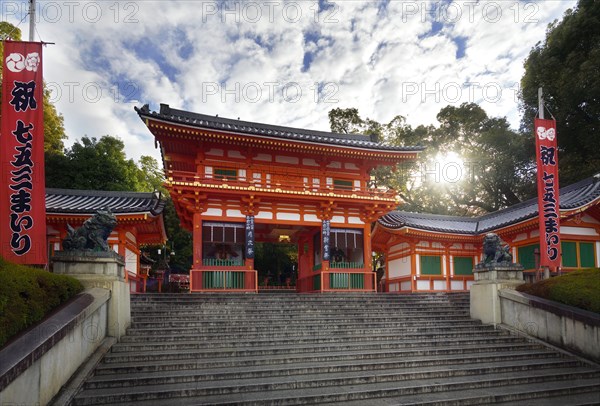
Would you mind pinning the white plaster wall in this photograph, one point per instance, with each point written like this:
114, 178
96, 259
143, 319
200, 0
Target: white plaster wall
399, 267
405, 286
399, 247
456, 285
439, 285
311, 217
578, 230
287, 160
288, 216
131, 261
267, 215
213, 212
422, 285
234, 213
338, 219
234, 154
520, 237
355, 220
264, 157
215, 151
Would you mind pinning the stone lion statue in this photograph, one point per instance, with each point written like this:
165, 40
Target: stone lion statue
495, 251
92, 235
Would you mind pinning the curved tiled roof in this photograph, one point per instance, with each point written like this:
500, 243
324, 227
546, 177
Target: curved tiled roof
571, 197
267, 130
71, 201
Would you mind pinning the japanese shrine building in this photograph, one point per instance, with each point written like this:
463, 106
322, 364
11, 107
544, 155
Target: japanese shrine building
235, 183
139, 219
426, 252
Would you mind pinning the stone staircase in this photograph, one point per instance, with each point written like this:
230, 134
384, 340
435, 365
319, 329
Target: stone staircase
358, 349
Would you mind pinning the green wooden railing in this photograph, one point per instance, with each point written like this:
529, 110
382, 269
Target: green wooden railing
222, 262
223, 280
346, 265
317, 267
343, 280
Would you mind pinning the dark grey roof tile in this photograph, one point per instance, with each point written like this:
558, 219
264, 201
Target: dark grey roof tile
166, 113
72, 201
571, 197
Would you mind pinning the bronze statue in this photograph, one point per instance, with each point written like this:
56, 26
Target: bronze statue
495, 252
93, 234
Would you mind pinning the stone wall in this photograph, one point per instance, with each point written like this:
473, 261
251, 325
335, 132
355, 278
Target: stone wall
35, 366
564, 326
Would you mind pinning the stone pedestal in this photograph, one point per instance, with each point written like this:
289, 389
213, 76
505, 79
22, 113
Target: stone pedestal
104, 270
485, 301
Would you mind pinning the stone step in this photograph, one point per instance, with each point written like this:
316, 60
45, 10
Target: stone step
304, 336
282, 313
269, 349
338, 387
297, 306
327, 343
556, 393
283, 321
202, 372
350, 348
326, 325
207, 359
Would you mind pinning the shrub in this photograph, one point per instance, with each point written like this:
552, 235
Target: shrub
28, 294
578, 288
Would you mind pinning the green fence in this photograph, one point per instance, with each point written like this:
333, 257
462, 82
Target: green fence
222, 262
347, 265
223, 280
342, 280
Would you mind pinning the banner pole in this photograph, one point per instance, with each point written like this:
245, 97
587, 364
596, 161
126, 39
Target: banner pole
31, 20
541, 103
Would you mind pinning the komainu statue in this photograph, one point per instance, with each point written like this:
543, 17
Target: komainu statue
495, 252
92, 235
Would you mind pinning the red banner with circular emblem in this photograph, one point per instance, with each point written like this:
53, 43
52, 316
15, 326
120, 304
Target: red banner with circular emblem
548, 192
22, 190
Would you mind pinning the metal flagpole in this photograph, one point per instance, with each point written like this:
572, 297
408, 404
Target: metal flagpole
31, 20
541, 103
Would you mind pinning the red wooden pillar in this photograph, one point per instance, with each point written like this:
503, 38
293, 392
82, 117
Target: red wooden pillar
197, 241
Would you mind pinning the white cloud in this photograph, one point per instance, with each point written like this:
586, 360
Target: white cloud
237, 60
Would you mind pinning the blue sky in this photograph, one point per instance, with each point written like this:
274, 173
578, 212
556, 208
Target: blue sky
281, 62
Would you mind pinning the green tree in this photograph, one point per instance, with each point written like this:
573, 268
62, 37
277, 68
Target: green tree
54, 131
471, 163
567, 66
93, 164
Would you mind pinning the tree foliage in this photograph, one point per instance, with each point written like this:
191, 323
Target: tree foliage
93, 164
471, 164
54, 131
567, 66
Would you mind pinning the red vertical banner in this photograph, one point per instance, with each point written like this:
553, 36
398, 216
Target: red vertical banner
548, 194
22, 187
